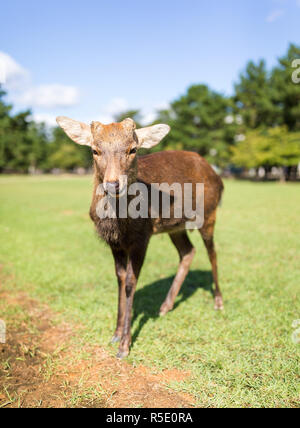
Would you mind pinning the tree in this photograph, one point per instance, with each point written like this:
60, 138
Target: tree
270, 98
285, 92
38, 143
265, 108
65, 154
202, 121
4, 127
23, 144
267, 148
253, 97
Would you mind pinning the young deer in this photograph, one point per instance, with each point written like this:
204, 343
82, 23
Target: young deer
114, 149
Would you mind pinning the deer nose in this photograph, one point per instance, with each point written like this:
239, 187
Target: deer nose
112, 186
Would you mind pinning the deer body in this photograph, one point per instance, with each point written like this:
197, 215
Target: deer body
114, 147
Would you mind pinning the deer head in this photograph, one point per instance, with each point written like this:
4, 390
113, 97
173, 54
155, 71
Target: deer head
114, 147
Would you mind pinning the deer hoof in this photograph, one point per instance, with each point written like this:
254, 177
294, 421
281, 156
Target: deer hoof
115, 339
219, 303
164, 310
122, 354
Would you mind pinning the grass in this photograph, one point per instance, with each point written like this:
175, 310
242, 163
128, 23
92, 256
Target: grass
243, 357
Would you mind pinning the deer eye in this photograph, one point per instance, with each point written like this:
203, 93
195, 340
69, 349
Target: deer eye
133, 151
95, 152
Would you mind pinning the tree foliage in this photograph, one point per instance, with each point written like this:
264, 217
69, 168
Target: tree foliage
202, 121
286, 94
23, 143
259, 125
65, 154
253, 96
267, 148
27, 146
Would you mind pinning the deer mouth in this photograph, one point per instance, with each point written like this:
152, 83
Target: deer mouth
117, 193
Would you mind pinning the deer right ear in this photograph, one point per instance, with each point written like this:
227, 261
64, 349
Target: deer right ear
152, 135
77, 131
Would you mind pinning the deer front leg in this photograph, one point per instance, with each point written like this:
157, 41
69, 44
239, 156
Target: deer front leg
121, 266
135, 262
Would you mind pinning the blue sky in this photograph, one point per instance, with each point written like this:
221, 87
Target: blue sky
89, 59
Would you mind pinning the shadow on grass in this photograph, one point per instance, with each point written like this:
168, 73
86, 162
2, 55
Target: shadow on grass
148, 300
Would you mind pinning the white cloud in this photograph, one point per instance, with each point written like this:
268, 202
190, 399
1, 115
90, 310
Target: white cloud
280, 8
120, 105
114, 107
48, 119
162, 106
50, 96
274, 15
12, 74
103, 118
24, 93
17, 80
150, 116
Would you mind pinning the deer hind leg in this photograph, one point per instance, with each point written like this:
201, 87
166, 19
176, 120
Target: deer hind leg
207, 233
186, 253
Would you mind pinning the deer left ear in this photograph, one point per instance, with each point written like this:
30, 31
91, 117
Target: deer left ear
152, 135
79, 132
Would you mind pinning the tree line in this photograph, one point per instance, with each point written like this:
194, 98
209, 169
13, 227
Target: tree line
258, 126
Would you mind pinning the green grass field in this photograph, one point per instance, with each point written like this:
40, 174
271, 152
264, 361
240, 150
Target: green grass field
242, 357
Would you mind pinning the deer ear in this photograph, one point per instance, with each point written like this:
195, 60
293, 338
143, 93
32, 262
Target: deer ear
77, 131
152, 135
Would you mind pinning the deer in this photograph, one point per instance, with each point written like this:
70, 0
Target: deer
115, 150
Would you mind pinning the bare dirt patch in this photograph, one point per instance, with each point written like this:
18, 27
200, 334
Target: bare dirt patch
41, 367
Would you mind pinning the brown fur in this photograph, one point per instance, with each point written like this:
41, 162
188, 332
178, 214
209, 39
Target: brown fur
112, 146
169, 167
128, 237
